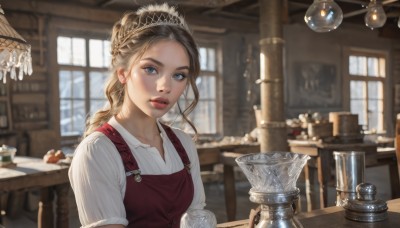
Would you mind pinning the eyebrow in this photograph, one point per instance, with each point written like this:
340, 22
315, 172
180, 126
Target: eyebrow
161, 64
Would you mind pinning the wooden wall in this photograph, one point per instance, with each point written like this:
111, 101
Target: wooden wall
34, 101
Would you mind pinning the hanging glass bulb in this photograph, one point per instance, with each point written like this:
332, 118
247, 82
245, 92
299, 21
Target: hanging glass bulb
375, 16
398, 22
323, 16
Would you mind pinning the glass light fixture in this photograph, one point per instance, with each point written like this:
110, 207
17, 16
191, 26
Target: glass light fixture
375, 16
15, 52
323, 16
398, 22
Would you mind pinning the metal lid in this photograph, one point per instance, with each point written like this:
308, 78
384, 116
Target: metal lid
365, 207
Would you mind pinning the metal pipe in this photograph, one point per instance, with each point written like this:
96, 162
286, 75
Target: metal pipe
272, 127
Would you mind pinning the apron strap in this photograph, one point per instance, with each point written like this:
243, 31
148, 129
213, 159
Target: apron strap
130, 164
129, 161
178, 146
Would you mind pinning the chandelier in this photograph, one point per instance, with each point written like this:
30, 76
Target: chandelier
326, 15
15, 52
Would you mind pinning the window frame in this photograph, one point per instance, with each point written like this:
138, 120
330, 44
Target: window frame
67, 139
218, 93
351, 51
209, 41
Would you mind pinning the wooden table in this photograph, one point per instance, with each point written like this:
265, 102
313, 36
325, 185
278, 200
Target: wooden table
225, 154
333, 217
34, 173
322, 153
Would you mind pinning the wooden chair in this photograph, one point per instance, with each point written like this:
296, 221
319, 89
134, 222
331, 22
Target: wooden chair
390, 157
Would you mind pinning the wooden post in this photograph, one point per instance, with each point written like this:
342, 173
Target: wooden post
397, 142
62, 205
272, 125
45, 214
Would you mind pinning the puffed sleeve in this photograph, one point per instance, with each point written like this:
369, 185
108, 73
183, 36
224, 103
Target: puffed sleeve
96, 176
199, 195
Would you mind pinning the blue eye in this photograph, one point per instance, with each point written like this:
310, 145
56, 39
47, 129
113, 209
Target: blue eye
179, 76
150, 70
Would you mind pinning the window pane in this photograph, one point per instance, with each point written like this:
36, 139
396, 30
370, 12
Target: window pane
203, 58
64, 55
106, 54
65, 84
373, 67
358, 65
96, 105
78, 116
65, 116
96, 53
206, 87
382, 67
211, 59
78, 52
375, 90
204, 117
375, 105
375, 110
357, 89
353, 64
97, 80
359, 107
78, 85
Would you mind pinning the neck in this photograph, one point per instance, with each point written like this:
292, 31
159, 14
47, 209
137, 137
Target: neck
139, 127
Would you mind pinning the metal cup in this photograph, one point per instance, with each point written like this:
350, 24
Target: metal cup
350, 169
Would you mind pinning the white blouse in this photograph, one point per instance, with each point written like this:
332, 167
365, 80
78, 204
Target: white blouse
97, 174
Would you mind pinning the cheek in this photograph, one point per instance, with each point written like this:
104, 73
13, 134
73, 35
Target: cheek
180, 89
142, 83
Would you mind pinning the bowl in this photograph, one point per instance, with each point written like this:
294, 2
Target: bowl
273, 171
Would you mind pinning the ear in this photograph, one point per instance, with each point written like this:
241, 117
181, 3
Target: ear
122, 75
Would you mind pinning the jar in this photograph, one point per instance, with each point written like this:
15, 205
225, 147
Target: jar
7, 154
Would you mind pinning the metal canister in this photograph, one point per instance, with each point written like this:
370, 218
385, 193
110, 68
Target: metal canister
350, 171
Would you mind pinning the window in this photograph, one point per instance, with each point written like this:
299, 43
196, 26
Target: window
367, 75
83, 64
204, 116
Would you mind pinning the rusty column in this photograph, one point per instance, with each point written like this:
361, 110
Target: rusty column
272, 126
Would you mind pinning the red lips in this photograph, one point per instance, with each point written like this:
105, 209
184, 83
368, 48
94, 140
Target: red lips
159, 103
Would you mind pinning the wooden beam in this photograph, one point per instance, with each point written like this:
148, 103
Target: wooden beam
214, 3
66, 10
361, 11
238, 25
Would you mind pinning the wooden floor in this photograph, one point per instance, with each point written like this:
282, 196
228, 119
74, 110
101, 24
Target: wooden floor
378, 176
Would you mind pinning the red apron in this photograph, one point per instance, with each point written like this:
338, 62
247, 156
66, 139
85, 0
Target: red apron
153, 201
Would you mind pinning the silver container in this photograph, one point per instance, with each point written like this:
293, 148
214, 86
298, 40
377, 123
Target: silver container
366, 208
276, 209
350, 171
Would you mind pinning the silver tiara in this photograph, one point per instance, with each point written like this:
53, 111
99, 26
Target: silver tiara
149, 16
171, 16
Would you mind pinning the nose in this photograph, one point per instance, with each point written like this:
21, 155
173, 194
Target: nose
164, 84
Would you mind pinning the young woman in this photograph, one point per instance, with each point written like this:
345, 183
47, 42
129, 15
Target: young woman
131, 170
